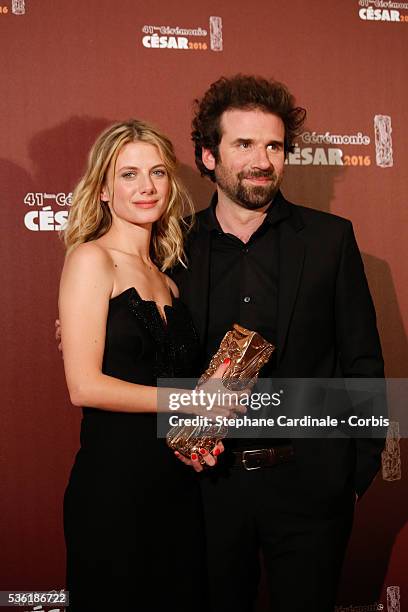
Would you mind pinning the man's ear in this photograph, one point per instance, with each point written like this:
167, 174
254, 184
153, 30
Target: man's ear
208, 159
104, 194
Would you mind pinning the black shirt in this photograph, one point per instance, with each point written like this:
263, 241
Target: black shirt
244, 280
244, 284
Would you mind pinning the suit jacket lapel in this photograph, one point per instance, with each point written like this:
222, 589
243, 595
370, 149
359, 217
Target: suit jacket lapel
291, 258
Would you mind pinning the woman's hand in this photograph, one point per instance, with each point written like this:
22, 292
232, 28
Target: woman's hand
209, 458
227, 405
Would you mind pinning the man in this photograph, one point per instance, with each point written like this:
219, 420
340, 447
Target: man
296, 276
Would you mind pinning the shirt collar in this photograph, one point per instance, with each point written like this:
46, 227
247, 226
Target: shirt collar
277, 211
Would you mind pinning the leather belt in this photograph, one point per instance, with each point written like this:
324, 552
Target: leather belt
256, 458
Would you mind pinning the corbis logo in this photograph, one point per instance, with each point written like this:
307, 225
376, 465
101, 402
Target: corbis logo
187, 39
48, 211
383, 10
327, 149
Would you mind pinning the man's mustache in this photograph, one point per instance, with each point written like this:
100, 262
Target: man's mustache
258, 174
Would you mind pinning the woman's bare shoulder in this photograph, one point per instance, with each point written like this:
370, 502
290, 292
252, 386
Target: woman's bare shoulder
90, 253
88, 262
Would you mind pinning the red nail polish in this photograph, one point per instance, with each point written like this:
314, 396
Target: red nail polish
216, 452
202, 451
177, 453
227, 361
194, 456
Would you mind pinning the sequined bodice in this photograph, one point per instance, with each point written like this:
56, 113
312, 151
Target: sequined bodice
140, 347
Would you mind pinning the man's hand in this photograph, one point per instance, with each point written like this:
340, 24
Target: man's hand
228, 405
209, 458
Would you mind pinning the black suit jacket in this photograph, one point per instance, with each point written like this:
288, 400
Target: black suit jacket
326, 327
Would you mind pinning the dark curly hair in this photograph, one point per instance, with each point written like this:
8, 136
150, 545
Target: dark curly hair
241, 92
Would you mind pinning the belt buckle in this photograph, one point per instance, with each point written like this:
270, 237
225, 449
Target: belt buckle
244, 460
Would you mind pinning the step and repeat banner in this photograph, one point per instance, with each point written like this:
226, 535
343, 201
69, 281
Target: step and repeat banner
69, 69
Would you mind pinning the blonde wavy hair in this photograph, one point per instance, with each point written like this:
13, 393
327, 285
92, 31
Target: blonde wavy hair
90, 218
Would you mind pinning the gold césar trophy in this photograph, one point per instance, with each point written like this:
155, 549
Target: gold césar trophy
248, 352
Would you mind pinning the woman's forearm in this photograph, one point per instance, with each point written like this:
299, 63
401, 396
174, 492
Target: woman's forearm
109, 393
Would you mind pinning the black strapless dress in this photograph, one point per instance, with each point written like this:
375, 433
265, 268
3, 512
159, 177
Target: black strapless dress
132, 511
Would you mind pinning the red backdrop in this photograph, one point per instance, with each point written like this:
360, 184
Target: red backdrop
71, 68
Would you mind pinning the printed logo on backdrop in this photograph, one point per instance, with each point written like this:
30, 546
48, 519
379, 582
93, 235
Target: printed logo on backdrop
393, 599
17, 8
391, 455
48, 212
393, 603
187, 39
383, 10
327, 149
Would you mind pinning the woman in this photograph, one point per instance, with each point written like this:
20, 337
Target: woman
132, 512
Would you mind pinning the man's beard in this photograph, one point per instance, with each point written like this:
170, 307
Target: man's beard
251, 197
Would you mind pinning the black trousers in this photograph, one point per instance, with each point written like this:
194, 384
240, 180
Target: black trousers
302, 538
